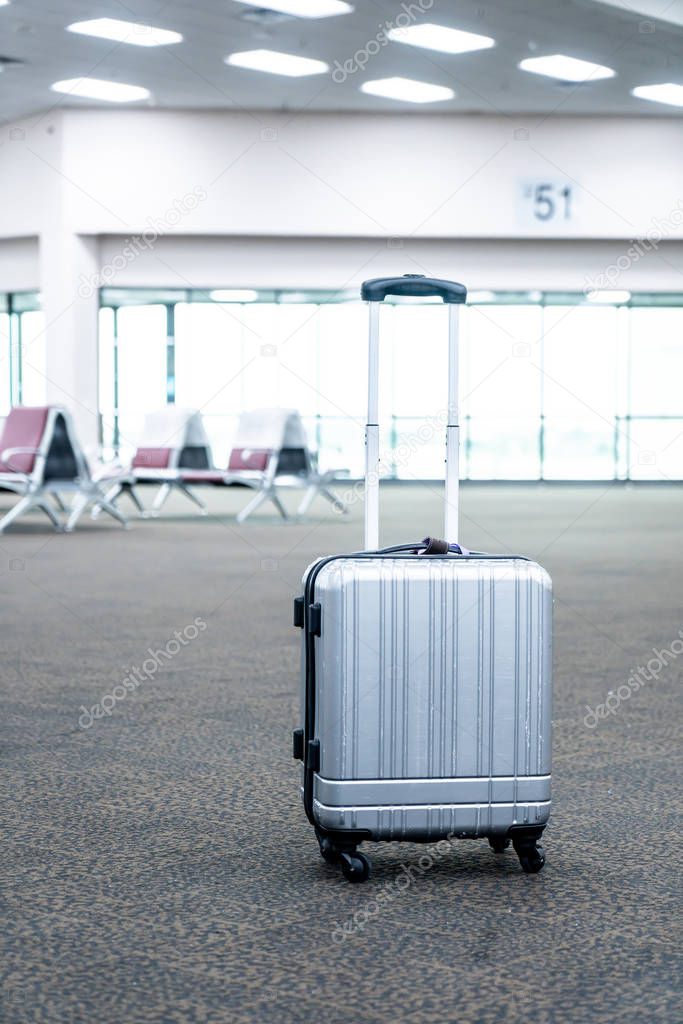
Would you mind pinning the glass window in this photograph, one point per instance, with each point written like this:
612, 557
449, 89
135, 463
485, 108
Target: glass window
107, 382
501, 391
502, 448
580, 361
208, 356
655, 449
33, 358
501, 361
580, 391
416, 448
261, 372
208, 368
414, 360
142, 368
5, 376
413, 390
341, 387
341, 444
296, 337
561, 390
343, 362
656, 362
576, 449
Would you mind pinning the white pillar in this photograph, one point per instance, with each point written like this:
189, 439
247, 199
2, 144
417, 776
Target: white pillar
70, 300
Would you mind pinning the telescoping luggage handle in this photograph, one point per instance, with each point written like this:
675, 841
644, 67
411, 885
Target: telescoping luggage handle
374, 292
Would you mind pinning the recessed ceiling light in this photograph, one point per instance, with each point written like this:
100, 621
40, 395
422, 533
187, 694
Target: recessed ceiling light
303, 8
408, 90
99, 89
275, 63
616, 296
295, 297
566, 69
438, 37
233, 295
667, 92
126, 32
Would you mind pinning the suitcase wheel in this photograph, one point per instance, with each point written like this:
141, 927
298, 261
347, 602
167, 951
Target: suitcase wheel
532, 861
531, 857
355, 866
499, 844
328, 851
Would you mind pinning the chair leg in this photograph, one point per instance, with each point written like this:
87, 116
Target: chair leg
307, 499
23, 505
278, 504
80, 503
59, 502
251, 506
320, 488
134, 497
111, 495
162, 495
99, 501
189, 493
47, 509
337, 504
108, 506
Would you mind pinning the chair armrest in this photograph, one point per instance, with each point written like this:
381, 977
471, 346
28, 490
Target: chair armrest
18, 451
103, 470
7, 454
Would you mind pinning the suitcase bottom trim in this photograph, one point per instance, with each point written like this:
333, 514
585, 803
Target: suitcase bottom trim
499, 789
415, 821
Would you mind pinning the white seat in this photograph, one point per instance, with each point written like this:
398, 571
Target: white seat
270, 451
173, 439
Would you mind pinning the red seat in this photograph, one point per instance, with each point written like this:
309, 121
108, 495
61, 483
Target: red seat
24, 428
152, 458
203, 476
270, 451
249, 458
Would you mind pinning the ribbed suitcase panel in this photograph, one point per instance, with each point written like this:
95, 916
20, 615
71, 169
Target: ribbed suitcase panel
433, 669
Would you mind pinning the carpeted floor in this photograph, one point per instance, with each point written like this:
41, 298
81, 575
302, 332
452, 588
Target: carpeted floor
157, 865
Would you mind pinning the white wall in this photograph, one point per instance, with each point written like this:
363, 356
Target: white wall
210, 262
19, 264
30, 173
297, 199
405, 175
201, 262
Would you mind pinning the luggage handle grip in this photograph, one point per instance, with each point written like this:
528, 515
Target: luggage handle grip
416, 285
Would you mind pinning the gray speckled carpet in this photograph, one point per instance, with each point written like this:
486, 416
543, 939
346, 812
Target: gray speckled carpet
157, 865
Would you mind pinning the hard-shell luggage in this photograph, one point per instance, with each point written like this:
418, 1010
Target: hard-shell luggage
426, 672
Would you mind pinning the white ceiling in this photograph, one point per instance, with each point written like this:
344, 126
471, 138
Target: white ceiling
626, 36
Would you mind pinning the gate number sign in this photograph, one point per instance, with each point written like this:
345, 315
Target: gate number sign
548, 200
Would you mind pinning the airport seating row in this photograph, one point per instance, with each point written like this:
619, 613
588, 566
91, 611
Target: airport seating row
42, 461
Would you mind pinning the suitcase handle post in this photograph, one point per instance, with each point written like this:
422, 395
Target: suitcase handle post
453, 294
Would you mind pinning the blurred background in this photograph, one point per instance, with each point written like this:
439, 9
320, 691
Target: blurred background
188, 220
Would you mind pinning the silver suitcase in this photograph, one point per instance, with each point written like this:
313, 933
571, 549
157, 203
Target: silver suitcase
426, 672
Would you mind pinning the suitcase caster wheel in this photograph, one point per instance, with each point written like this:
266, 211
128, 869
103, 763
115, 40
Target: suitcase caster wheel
328, 851
531, 859
499, 845
355, 867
